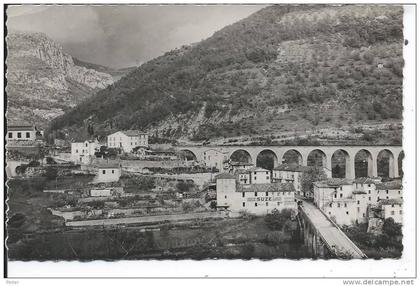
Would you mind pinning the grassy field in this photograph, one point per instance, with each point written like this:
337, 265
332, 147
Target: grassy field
226, 238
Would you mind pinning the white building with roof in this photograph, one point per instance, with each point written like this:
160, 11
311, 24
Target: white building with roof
256, 198
259, 175
214, 158
83, 152
234, 167
348, 201
108, 173
22, 132
290, 173
127, 140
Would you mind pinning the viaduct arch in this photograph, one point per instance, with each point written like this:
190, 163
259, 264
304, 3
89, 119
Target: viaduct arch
303, 153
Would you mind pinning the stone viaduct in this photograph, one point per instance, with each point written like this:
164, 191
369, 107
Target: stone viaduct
304, 152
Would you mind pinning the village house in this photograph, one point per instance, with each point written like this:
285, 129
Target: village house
127, 140
348, 201
256, 198
213, 158
234, 167
290, 173
390, 190
338, 199
23, 132
108, 173
259, 175
83, 152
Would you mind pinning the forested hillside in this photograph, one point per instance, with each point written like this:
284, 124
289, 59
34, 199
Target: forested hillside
283, 69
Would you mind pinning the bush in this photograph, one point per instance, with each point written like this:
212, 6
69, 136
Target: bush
276, 220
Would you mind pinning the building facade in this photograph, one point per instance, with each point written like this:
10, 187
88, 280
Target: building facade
290, 173
22, 132
256, 198
213, 158
348, 201
127, 140
83, 152
259, 175
108, 173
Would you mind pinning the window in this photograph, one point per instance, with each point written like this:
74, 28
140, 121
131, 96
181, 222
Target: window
358, 202
392, 212
255, 173
266, 194
338, 205
19, 135
256, 204
387, 192
225, 197
387, 197
345, 205
369, 192
28, 135
103, 172
243, 204
369, 185
77, 151
331, 205
401, 212
266, 173
363, 214
358, 209
347, 213
341, 195
369, 198
255, 194
399, 192
10, 135
86, 144
268, 178
243, 194
112, 171
335, 196
266, 204
278, 203
329, 213
392, 205
341, 188
255, 178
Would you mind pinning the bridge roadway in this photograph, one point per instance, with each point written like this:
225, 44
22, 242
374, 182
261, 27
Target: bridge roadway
334, 238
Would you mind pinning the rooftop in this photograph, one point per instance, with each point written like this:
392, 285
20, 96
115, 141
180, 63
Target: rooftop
225, 176
290, 167
108, 166
367, 180
257, 169
392, 185
132, 133
390, 202
333, 182
21, 128
273, 187
240, 164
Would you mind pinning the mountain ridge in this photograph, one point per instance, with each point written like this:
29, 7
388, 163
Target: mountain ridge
282, 69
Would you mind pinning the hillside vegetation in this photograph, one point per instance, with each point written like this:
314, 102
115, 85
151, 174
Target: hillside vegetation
283, 69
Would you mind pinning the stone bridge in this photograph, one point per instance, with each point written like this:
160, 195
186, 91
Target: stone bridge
322, 236
304, 152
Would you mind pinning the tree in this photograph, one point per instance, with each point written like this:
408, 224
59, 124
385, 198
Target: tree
276, 219
311, 175
213, 205
50, 161
51, 173
391, 228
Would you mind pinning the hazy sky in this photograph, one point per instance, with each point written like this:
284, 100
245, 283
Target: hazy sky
122, 36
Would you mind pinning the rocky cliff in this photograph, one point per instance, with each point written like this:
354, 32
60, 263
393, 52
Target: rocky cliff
43, 81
